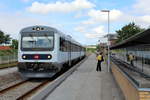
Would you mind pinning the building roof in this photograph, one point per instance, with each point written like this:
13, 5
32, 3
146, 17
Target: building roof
5, 48
111, 36
137, 39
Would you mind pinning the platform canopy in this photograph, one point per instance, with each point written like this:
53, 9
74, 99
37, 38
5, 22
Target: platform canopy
142, 38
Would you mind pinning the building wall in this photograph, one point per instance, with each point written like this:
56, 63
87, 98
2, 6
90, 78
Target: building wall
129, 90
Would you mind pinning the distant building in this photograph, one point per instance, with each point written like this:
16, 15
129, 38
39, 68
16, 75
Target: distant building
103, 44
5, 47
91, 46
112, 38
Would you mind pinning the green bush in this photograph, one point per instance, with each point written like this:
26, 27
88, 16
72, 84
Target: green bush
8, 52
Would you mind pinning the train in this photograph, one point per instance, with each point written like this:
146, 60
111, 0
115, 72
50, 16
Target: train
44, 51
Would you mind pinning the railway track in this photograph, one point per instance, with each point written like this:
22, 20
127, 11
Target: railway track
129, 67
131, 72
21, 90
25, 89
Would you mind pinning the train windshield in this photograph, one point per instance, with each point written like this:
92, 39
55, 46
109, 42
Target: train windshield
32, 42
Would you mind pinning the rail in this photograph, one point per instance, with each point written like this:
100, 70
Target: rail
128, 69
135, 69
27, 89
21, 89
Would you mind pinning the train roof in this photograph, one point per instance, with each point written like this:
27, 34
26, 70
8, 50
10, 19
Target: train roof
47, 28
141, 38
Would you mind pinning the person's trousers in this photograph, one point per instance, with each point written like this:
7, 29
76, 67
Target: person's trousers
131, 62
98, 66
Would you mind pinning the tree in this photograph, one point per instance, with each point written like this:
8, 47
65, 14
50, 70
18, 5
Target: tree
14, 44
7, 39
128, 31
4, 38
98, 47
1, 37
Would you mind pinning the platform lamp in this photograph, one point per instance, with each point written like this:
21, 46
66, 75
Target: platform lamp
108, 65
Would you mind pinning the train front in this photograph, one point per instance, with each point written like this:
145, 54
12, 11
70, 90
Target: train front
36, 53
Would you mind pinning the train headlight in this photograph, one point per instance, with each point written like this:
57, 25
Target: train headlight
24, 57
38, 28
48, 56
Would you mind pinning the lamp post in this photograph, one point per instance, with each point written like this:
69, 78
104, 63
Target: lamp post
108, 65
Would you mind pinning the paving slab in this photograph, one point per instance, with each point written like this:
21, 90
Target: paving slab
87, 84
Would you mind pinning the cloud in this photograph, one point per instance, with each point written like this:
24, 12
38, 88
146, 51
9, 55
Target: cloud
142, 6
144, 19
13, 23
80, 29
88, 22
96, 32
91, 32
91, 35
99, 29
58, 6
96, 16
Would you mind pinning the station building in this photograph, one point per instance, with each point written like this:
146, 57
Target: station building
133, 79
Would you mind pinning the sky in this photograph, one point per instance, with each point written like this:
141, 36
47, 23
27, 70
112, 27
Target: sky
81, 19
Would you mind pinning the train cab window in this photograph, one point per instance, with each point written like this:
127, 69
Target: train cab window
37, 42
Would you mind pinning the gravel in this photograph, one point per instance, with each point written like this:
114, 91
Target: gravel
14, 93
9, 79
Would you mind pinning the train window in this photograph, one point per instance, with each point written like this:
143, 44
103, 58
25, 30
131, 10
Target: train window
73, 47
37, 42
76, 48
65, 46
62, 44
69, 46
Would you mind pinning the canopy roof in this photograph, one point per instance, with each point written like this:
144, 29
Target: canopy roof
141, 38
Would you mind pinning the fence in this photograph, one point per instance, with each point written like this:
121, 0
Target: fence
8, 59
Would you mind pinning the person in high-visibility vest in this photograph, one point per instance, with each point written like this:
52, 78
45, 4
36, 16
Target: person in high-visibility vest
99, 61
131, 58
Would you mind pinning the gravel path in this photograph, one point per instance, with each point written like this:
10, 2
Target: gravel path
14, 93
9, 79
8, 70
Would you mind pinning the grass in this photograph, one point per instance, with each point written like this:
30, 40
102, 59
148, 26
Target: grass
7, 52
8, 65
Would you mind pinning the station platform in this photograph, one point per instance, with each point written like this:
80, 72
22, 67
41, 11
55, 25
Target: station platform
87, 84
134, 85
